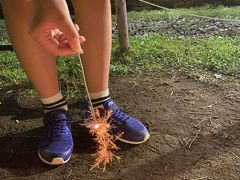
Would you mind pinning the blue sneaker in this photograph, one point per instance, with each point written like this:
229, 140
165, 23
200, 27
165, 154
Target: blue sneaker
134, 132
56, 144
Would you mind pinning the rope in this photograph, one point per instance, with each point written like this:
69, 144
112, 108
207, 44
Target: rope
189, 14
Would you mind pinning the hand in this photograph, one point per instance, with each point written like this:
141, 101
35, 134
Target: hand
53, 28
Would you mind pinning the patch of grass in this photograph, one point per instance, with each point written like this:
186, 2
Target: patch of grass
70, 76
3, 34
11, 72
147, 52
154, 51
208, 10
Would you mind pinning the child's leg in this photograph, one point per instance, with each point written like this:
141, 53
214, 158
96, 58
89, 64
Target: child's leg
39, 65
56, 144
94, 20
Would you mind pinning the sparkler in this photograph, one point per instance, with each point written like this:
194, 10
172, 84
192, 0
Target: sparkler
99, 126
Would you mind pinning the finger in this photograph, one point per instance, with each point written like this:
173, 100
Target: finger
59, 35
54, 47
60, 50
82, 39
64, 51
65, 44
65, 41
77, 27
71, 33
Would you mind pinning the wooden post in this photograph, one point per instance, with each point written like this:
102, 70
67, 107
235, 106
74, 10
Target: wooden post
122, 24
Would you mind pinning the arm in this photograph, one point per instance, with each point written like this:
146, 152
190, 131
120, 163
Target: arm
53, 28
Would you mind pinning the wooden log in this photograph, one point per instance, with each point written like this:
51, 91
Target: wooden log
122, 24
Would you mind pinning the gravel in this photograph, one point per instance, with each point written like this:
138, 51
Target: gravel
183, 27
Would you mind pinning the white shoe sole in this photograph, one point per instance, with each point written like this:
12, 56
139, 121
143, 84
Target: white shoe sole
132, 142
56, 161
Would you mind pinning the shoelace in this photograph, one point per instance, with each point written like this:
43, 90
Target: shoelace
57, 128
120, 117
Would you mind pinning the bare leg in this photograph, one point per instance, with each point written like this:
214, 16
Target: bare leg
38, 64
54, 148
94, 20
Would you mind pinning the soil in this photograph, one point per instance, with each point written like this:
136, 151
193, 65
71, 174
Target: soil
193, 118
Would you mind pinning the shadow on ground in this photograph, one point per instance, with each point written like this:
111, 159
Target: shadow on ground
19, 150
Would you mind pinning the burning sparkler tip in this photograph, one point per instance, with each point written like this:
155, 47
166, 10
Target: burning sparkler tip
96, 126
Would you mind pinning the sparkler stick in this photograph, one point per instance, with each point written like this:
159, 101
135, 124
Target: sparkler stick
86, 87
99, 126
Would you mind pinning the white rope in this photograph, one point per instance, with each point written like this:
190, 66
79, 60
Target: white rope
189, 14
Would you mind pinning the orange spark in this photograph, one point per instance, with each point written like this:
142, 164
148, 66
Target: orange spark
99, 126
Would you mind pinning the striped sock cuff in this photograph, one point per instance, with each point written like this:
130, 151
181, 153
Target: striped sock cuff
54, 105
99, 101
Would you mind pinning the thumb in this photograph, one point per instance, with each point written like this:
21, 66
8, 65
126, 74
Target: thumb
71, 33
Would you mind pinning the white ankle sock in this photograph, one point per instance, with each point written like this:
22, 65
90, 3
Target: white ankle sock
98, 98
54, 102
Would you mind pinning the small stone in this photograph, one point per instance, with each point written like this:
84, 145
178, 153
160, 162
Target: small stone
10, 91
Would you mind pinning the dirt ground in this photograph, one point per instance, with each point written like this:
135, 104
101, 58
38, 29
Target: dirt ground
193, 118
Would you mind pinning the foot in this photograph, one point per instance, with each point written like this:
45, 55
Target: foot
56, 144
134, 132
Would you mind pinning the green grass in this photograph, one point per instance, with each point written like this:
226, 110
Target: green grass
148, 52
156, 51
11, 72
211, 11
